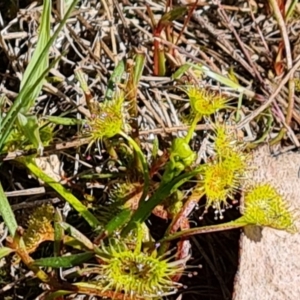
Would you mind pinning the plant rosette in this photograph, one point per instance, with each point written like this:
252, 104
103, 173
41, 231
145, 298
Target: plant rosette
264, 206
137, 274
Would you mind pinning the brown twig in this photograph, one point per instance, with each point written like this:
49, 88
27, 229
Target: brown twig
288, 54
84, 141
259, 31
223, 14
222, 42
255, 113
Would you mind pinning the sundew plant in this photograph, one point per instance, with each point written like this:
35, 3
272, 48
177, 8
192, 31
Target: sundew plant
111, 175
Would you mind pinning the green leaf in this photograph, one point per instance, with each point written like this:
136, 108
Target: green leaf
139, 61
65, 261
66, 194
72, 231
29, 124
30, 127
143, 162
34, 69
222, 79
172, 15
64, 121
119, 220
4, 251
58, 233
8, 121
145, 207
181, 71
58, 295
75, 244
114, 79
29, 84
7, 213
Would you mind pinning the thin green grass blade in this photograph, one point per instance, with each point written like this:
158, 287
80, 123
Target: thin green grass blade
143, 161
114, 79
145, 207
58, 233
118, 221
66, 194
29, 124
140, 59
239, 223
290, 10
58, 295
7, 213
220, 78
33, 68
172, 15
4, 251
9, 119
180, 71
72, 231
64, 121
65, 261
2, 102
28, 84
30, 128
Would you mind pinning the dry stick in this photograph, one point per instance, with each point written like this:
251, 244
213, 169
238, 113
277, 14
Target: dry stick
149, 107
204, 56
138, 12
255, 113
112, 29
223, 14
288, 55
86, 48
33, 204
281, 100
106, 49
259, 31
9, 286
222, 42
289, 63
124, 22
84, 141
26, 192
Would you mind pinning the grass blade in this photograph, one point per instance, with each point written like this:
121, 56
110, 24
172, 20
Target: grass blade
114, 79
65, 261
145, 208
33, 68
76, 234
66, 194
9, 119
28, 84
7, 213
58, 295
4, 251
